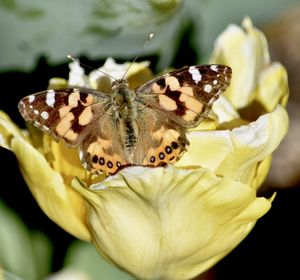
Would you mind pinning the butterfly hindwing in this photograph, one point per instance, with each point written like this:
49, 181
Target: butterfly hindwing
165, 144
101, 151
186, 95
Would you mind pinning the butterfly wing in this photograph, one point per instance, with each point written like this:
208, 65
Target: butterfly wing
172, 103
64, 114
160, 141
166, 106
101, 151
186, 95
80, 117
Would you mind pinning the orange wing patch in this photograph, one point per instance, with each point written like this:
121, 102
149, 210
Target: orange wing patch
173, 97
100, 157
167, 148
70, 125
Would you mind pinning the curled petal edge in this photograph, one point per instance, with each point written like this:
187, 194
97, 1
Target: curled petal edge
60, 202
235, 153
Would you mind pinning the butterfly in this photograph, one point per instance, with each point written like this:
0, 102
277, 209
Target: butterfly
146, 126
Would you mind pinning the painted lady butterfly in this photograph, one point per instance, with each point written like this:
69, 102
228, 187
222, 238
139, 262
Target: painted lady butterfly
146, 126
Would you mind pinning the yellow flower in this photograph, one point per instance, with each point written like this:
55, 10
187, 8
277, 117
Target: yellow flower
170, 222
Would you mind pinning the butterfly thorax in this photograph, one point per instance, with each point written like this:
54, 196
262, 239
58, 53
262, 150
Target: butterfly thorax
123, 97
124, 114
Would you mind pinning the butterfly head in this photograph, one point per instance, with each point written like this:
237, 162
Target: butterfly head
119, 85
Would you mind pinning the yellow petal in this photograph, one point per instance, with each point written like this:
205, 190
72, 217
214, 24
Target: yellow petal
273, 87
60, 202
169, 223
139, 74
259, 43
261, 173
236, 153
225, 111
62, 159
56, 83
253, 143
222, 114
245, 51
7, 130
137, 67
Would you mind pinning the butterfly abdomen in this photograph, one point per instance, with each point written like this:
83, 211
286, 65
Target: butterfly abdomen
125, 116
129, 135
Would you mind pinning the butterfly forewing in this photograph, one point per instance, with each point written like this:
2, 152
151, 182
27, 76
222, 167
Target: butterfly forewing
65, 114
80, 117
186, 95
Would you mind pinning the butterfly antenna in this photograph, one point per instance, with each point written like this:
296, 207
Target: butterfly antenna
87, 66
149, 38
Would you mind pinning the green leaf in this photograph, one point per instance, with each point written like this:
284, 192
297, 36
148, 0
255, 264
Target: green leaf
6, 275
101, 28
22, 253
83, 257
94, 28
42, 252
9, 5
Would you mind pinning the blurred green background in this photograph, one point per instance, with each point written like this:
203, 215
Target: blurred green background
35, 39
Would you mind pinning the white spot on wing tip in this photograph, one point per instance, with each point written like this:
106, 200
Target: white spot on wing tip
214, 68
196, 75
208, 88
45, 115
36, 112
31, 98
50, 97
